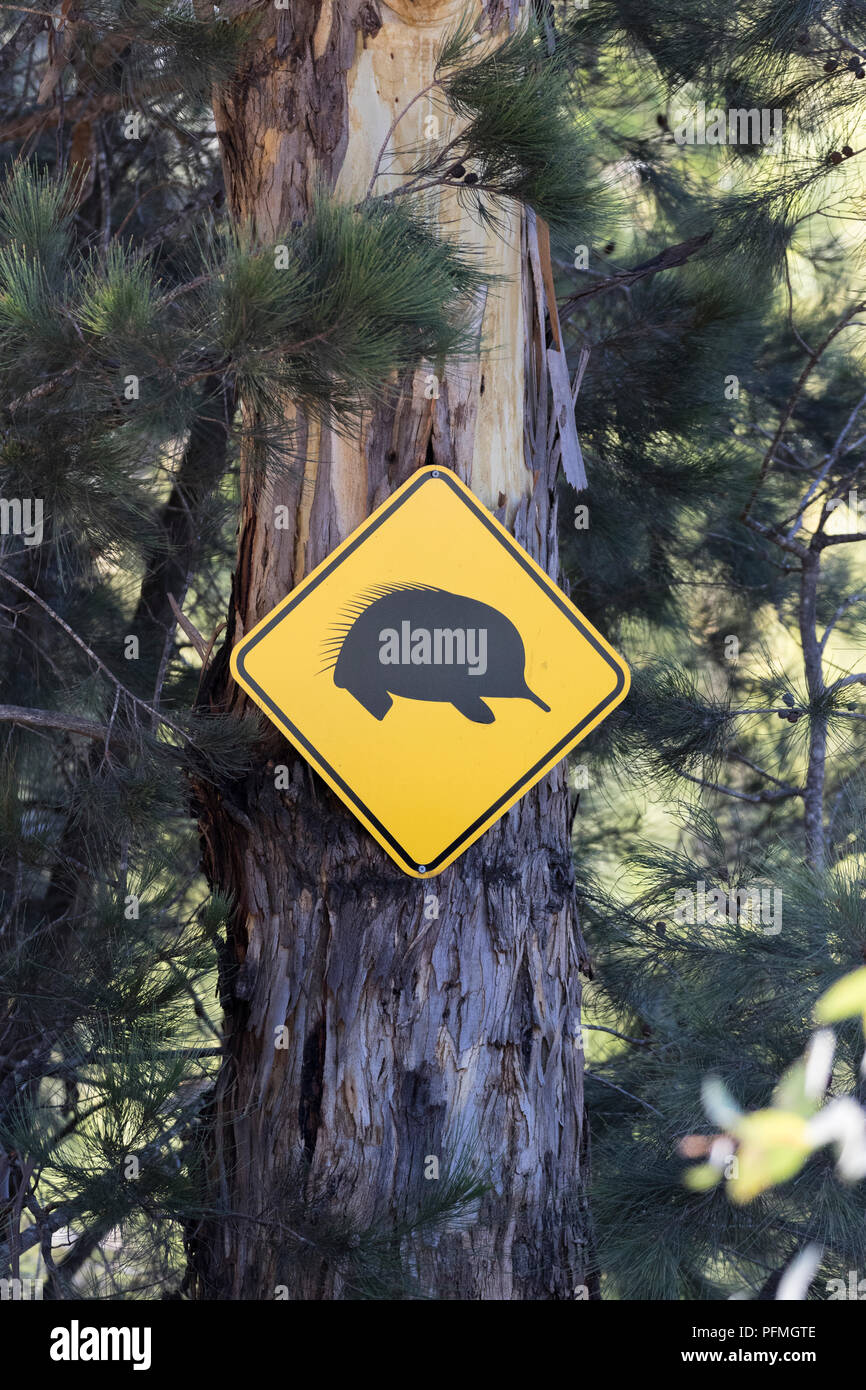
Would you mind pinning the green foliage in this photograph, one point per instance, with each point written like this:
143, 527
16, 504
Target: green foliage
723, 997
700, 449
521, 136
345, 302
167, 45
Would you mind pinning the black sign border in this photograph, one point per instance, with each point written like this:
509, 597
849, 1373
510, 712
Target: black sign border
328, 567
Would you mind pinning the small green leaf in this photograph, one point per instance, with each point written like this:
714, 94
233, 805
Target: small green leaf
703, 1177
844, 999
774, 1145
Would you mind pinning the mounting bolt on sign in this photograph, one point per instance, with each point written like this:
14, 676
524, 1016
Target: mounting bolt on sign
430, 671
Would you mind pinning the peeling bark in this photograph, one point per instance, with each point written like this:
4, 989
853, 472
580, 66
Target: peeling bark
406, 1035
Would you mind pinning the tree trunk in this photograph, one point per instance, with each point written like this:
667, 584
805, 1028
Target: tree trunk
406, 1035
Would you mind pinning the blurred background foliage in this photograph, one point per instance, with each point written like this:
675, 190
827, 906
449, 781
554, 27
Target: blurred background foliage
716, 289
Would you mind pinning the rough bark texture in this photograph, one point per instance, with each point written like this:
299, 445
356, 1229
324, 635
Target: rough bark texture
406, 1035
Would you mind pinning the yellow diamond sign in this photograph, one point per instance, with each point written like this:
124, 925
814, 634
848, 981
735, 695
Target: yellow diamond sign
430, 671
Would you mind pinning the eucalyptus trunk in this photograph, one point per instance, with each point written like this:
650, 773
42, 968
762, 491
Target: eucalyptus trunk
407, 1036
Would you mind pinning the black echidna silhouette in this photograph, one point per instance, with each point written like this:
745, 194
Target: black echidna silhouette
427, 644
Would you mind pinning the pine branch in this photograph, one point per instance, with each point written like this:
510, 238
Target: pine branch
829, 463
64, 1215
390, 131
171, 562
671, 257
858, 679
762, 771
79, 642
813, 797
635, 1042
840, 612
52, 720
839, 538
594, 1076
814, 359
782, 794
770, 533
